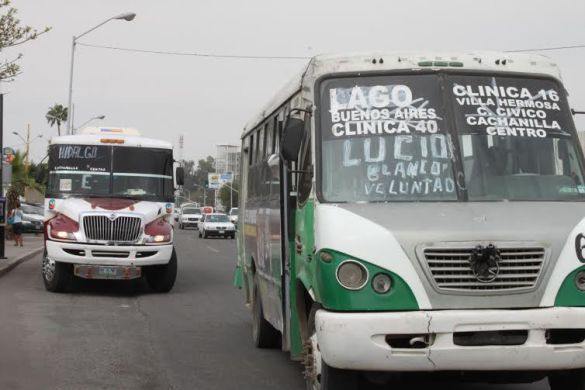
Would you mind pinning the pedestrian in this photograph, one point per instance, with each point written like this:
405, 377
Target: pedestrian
16, 216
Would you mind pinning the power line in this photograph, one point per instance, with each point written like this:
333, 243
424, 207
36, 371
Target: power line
261, 57
195, 54
548, 48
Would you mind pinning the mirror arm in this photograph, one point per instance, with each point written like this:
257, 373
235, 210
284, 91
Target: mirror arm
574, 112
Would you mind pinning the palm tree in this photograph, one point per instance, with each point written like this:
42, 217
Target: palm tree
57, 115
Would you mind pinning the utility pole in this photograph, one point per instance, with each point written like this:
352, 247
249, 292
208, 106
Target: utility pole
26, 159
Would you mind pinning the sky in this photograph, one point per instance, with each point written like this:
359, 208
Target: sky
209, 100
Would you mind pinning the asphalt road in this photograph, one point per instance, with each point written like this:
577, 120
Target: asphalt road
116, 335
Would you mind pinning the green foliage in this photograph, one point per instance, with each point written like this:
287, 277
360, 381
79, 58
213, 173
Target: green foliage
12, 33
56, 115
21, 179
195, 178
224, 195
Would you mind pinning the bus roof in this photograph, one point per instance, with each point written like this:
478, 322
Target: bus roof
326, 64
111, 139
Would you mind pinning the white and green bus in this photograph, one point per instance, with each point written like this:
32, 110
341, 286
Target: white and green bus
417, 213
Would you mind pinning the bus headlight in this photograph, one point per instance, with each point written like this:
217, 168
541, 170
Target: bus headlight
158, 232
381, 283
352, 275
62, 228
580, 280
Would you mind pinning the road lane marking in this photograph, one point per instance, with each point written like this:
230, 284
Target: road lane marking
212, 249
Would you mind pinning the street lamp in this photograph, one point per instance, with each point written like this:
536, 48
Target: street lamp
27, 142
127, 16
100, 117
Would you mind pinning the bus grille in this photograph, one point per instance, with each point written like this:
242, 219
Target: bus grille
121, 229
519, 269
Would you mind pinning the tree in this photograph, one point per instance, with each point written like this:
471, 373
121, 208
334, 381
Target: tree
224, 195
56, 115
200, 174
13, 34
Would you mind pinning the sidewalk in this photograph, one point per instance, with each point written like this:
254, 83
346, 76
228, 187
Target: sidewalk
33, 245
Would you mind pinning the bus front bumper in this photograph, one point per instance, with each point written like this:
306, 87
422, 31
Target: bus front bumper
453, 340
80, 253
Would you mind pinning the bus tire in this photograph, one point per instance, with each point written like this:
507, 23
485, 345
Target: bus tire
329, 378
263, 333
567, 380
161, 278
57, 276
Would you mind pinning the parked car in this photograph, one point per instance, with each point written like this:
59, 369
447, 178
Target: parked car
216, 225
189, 217
234, 212
32, 218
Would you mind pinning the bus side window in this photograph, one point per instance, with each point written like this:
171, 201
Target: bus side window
306, 165
260, 144
278, 122
269, 137
251, 149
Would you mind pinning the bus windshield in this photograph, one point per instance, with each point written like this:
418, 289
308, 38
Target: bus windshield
448, 138
108, 171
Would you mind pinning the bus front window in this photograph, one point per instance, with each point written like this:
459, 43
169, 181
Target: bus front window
431, 138
385, 139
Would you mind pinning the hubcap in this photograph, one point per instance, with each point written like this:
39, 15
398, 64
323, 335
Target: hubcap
48, 269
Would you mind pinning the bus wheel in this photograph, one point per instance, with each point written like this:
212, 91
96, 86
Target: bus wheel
161, 278
567, 380
263, 333
56, 275
318, 375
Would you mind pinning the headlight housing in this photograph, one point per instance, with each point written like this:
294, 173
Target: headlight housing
580, 280
352, 275
158, 232
63, 228
381, 283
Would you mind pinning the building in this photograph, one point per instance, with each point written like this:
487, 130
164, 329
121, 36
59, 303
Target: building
227, 159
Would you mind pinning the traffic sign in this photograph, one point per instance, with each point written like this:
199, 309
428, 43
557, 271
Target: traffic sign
214, 180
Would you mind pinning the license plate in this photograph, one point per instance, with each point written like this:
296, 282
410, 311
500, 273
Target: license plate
107, 272
222, 232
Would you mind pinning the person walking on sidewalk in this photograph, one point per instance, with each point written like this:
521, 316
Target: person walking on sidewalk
16, 215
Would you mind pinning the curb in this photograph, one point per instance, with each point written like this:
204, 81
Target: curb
20, 260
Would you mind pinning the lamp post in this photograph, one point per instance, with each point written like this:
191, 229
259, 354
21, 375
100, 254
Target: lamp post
100, 117
128, 16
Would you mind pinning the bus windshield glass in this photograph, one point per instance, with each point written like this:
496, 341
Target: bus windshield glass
448, 138
108, 171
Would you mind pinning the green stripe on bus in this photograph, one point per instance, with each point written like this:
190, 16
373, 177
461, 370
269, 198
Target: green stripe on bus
569, 295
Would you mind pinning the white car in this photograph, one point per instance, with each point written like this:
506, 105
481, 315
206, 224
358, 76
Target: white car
234, 212
189, 217
216, 224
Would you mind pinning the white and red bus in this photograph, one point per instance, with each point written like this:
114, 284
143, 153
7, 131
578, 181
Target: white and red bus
108, 208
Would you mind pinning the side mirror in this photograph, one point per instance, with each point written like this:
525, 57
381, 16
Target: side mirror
292, 138
180, 175
40, 175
